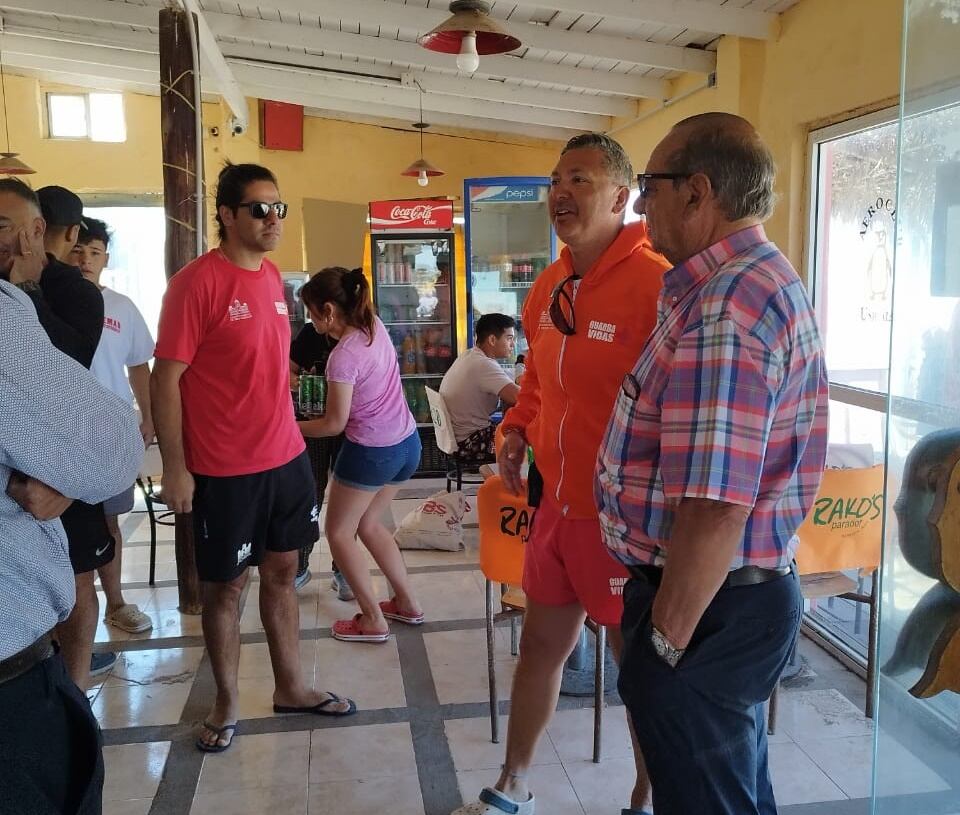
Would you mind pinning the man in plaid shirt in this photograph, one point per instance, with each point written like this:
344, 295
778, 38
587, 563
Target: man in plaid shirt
711, 460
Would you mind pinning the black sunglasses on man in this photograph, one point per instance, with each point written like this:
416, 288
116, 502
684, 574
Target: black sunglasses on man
561, 306
261, 209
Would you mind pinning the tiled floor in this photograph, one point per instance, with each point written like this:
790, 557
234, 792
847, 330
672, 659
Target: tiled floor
422, 737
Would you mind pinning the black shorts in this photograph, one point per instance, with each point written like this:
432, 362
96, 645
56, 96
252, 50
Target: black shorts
89, 540
237, 518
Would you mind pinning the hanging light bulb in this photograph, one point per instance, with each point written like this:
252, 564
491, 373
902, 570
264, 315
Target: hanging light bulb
471, 31
468, 60
421, 169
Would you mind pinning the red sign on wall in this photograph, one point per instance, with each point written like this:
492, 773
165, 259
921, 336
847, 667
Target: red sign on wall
414, 213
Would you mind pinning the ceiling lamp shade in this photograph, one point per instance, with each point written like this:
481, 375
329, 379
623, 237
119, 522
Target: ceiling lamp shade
422, 170
470, 32
11, 165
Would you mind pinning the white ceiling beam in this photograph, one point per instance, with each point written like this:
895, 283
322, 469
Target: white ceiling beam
398, 96
279, 57
230, 89
40, 67
493, 91
88, 34
358, 45
99, 11
546, 38
695, 14
67, 68
115, 59
441, 124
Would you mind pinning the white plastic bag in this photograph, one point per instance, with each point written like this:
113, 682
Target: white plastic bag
435, 524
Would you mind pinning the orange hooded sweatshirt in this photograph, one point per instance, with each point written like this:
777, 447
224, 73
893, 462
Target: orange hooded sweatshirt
568, 390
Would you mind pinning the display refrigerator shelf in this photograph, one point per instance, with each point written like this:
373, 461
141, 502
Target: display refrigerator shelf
414, 322
424, 424
506, 287
421, 376
405, 285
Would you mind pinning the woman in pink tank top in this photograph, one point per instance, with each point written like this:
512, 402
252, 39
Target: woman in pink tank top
365, 401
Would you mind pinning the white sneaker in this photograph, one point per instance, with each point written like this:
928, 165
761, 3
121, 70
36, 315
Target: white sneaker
493, 802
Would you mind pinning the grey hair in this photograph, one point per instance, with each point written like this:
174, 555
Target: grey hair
728, 151
615, 159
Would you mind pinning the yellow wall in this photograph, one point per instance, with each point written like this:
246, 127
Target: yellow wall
831, 60
341, 161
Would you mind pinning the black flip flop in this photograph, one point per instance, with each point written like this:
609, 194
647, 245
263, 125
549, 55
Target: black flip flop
221, 732
319, 709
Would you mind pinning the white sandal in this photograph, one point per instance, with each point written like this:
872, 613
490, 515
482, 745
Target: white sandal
494, 802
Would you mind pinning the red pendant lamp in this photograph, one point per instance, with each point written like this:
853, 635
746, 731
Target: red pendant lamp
421, 169
470, 32
9, 163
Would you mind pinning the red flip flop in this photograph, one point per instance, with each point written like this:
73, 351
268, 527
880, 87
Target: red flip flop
350, 631
392, 611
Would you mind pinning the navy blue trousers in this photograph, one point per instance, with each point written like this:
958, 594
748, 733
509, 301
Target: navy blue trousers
51, 750
701, 726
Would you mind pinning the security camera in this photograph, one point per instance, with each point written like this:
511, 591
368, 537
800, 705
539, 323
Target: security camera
236, 128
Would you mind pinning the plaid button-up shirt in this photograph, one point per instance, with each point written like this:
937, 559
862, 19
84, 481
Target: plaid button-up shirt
728, 401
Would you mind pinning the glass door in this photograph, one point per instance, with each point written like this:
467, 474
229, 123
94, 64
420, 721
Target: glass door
509, 242
414, 295
917, 754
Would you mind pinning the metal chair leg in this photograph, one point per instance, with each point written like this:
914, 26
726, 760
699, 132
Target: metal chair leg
151, 517
491, 670
514, 636
598, 683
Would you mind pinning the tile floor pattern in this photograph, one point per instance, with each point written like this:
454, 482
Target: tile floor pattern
422, 737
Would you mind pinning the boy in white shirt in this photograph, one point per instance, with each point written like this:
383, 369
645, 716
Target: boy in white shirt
476, 383
121, 363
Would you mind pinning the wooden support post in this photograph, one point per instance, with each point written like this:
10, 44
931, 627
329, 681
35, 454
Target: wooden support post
179, 109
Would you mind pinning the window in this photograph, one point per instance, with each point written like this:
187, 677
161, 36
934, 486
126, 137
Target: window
93, 116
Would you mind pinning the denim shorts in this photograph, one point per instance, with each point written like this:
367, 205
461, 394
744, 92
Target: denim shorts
370, 468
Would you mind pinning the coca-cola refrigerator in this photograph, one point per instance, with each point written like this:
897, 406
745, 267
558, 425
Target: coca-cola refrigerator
414, 290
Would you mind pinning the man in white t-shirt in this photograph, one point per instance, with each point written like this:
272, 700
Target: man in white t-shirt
121, 363
476, 383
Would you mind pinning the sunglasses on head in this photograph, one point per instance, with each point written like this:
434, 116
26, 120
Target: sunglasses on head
561, 307
261, 209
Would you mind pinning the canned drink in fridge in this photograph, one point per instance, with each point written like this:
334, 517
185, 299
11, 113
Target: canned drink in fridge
320, 394
306, 394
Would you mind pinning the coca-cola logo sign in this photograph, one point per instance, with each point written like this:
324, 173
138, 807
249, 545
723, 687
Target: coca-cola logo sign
411, 214
421, 212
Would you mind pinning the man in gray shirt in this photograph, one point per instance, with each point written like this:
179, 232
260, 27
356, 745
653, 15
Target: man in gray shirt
63, 437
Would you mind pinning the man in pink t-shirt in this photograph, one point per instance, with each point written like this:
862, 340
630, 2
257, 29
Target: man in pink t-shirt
232, 452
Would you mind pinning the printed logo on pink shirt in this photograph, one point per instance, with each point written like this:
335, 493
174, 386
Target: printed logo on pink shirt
239, 311
281, 308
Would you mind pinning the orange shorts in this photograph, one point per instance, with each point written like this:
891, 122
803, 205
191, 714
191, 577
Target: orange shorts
565, 561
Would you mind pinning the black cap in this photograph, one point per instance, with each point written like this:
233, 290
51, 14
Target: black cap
60, 206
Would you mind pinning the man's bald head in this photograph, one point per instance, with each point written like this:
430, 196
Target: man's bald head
729, 151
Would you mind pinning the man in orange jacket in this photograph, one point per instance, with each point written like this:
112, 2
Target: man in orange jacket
586, 319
